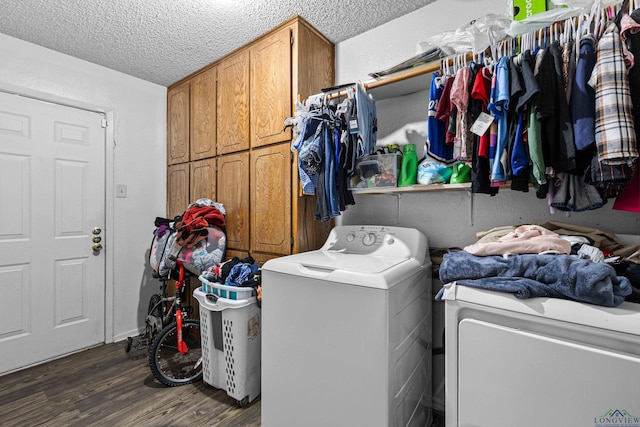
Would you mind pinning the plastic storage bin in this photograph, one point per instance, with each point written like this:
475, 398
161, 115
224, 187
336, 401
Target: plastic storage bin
376, 170
231, 344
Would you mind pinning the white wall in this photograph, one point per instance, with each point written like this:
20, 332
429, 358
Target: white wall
448, 218
138, 158
395, 41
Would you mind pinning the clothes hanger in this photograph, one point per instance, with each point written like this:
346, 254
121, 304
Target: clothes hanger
579, 28
479, 59
503, 48
570, 30
543, 30
594, 21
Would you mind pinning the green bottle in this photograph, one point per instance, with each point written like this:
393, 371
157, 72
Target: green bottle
409, 168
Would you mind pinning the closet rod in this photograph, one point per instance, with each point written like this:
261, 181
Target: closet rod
402, 75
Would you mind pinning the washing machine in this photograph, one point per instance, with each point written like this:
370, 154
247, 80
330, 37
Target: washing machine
539, 362
346, 333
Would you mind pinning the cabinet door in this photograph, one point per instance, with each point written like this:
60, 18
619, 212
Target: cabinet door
203, 180
233, 193
271, 199
177, 189
312, 62
271, 88
178, 124
203, 115
233, 103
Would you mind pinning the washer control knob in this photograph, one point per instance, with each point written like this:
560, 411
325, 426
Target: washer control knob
350, 237
389, 239
369, 239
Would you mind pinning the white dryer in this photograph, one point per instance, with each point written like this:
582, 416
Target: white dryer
346, 333
539, 362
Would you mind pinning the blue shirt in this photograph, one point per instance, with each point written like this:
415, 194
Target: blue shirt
498, 107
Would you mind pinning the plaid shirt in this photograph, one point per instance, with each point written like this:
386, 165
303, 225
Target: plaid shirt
615, 134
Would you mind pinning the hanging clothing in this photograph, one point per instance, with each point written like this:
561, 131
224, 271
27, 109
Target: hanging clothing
367, 119
519, 163
630, 35
531, 87
326, 153
460, 98
609, 179
498, 106
568, 68
614, 128
574, 195
480, 88
583, 96
436, 129
445, 110
482, 92
553, 113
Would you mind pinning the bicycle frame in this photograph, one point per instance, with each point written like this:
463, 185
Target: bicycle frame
182, 346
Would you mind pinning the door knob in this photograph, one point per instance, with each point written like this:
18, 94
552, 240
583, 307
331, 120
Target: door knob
96, 230
97, 239
97, 247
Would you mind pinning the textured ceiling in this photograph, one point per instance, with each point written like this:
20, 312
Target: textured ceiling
163, 41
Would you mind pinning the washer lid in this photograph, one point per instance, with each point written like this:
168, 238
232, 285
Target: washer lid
347, 268
352, 262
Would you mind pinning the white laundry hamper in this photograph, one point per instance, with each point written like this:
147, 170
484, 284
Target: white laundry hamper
231, 343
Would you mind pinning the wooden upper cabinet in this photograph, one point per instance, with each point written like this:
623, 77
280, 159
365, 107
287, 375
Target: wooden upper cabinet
233, 103
178, 124
203, 180
313, 61
203, 115
177, 189
270, 179
225, 140
271, 88
233, 193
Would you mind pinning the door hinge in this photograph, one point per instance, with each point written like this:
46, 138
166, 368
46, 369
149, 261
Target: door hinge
104, 123
291, 39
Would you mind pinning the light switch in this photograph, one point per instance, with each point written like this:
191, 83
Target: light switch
121, 190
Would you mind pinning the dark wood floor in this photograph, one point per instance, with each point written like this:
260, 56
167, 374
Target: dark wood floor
104, 386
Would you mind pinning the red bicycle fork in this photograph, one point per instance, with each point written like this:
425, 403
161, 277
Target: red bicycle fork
182, 346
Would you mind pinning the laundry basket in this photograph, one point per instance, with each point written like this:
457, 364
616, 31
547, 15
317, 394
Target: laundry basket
231, 333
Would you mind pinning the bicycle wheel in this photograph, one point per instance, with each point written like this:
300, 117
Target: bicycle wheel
155, 309
167, 364
153, 320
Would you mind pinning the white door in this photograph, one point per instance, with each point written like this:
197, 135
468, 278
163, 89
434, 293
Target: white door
52, 196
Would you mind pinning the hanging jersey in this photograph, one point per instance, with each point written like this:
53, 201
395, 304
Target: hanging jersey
436, 129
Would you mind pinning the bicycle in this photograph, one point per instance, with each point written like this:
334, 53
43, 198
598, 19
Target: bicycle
159, 314
175, 354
